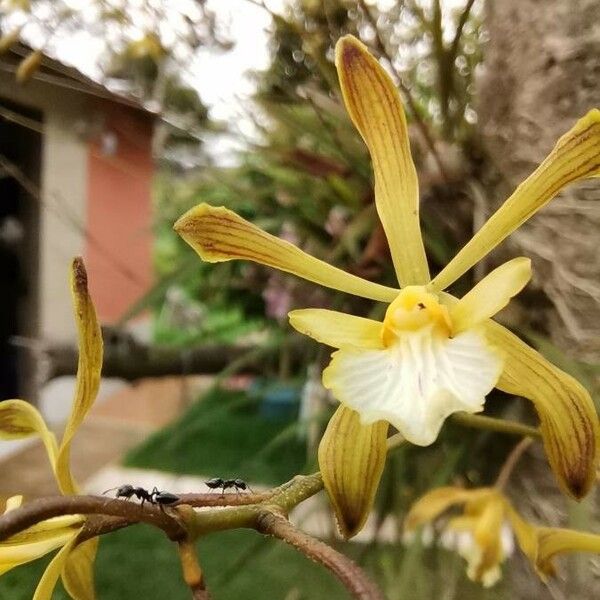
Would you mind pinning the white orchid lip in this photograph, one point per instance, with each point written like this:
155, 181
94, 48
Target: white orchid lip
421, 375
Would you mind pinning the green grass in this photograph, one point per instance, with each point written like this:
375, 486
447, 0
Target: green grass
225, 435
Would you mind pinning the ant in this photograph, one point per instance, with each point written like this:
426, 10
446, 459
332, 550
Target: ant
154, 497
217, 482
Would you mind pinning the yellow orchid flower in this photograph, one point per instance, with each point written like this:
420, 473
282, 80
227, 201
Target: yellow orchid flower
433, 354
485, 531
19, 419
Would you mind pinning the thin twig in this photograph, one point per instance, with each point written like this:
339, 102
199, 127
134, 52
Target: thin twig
511, 461
40, 509
347, 571
229, 499
464, 17
497, 425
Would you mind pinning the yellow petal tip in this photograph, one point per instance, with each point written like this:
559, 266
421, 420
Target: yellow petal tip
347, 49
183, 223
79, 273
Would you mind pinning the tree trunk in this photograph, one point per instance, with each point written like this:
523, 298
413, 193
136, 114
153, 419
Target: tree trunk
542, 72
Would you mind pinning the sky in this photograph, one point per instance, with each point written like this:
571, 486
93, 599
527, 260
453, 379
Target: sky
222, 78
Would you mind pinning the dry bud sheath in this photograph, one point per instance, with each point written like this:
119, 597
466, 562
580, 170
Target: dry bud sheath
192, 573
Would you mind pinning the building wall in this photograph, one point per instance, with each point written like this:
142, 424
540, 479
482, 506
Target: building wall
120, 171
93, 203
62, 207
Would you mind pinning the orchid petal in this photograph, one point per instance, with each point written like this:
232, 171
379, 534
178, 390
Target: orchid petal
44, 530
35, 541
351, 459
45, 588
417, 383
542, 544
374, 105
430, 506
78, 572
13, 502
218, 234
552, 541
576, 156
490, 295
487, 535
569, 422
337, 329
19, 419
88, 371
20, 554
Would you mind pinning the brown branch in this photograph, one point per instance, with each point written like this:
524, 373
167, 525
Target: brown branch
130, 360
352, 577
96, 525
229, 499
38, 510
464, 17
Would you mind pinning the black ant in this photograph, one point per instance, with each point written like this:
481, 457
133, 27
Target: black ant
162, 499
225, 484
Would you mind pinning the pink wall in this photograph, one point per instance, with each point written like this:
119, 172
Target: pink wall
119, 236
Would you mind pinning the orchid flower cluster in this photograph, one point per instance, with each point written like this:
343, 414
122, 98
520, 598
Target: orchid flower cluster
433, 354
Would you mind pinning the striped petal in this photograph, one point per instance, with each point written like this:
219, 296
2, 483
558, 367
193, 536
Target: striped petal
487, 536
19, 419
490, 295
45, 588
576, 156
430, 506
351, 460
36, 541
12, 556
416, 383
88, 370
542, 544
218, 234
337, 329
375, 108
553, 541
78, 572
569, 422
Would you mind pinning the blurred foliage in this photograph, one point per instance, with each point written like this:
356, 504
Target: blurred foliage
306, 174
239, 439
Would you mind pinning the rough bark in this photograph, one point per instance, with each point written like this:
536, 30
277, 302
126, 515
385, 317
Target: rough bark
541, 73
